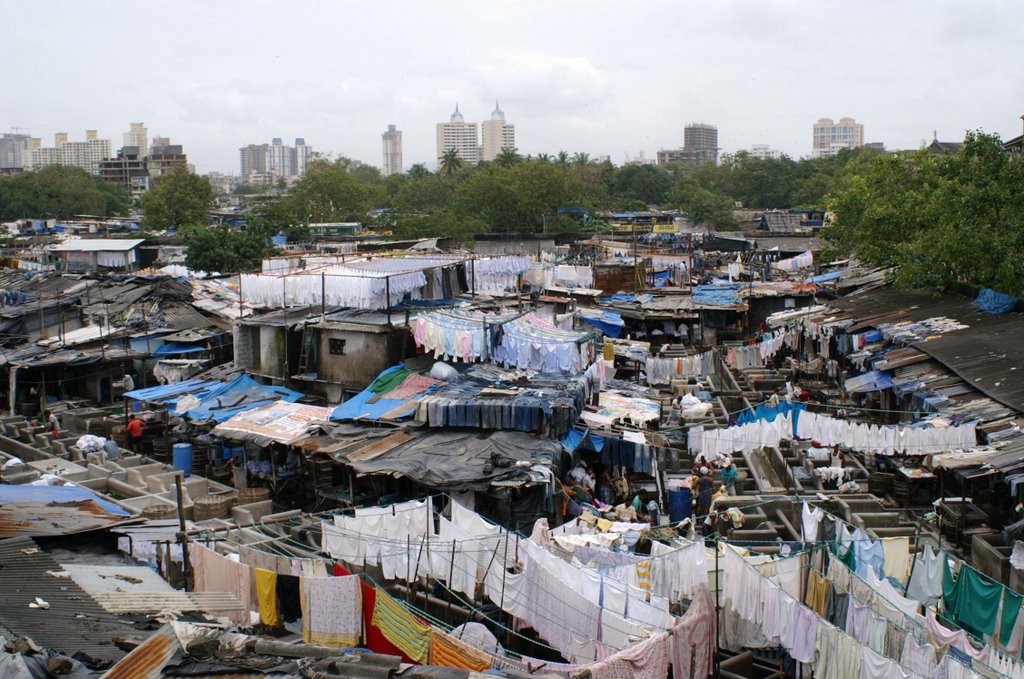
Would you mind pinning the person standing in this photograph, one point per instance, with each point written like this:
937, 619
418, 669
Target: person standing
705, 486
134, 432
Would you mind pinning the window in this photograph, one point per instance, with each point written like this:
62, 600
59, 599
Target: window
336, 346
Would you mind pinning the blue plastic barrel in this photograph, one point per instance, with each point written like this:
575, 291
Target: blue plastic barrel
183, 457
680, 504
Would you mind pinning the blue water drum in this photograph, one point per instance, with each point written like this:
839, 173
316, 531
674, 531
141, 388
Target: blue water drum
183, 457
680, 504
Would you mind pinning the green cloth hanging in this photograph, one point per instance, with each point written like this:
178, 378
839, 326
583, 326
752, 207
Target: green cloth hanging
1011, 609
977, 601
949, 588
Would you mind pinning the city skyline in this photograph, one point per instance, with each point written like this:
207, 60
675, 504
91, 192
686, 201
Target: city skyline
944, 68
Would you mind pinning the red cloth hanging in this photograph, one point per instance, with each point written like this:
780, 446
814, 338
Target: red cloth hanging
374, 638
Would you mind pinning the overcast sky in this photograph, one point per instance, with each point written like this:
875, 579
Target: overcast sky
608, 78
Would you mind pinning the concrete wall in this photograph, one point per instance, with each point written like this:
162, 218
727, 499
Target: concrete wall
367, 354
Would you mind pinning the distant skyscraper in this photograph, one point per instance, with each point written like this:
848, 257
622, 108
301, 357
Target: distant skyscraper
702, 140
266, 163
84, 154
459, 135
14, 151
700, 145
829, 138
497, 134
137, 136
391, 141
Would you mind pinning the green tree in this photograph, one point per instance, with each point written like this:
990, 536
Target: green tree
562, 158
178, 200
443, 223
508, 157
942, 221
330, 191
580, 158
59, 192
426, 193
644, 184
221, 249
450, 163
418, 171
703, 207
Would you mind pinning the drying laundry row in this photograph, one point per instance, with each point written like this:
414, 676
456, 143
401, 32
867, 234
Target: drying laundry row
662, 370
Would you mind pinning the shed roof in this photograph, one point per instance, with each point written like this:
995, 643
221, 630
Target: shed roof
97, 245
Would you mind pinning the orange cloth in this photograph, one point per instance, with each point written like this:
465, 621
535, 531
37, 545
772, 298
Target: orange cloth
447, 651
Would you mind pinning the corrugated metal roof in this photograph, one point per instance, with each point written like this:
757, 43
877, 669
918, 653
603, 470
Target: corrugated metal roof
55, 510
148, 659
73, 622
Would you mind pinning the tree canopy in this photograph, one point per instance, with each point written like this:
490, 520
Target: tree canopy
224, 250
178, 200
59, 192
942, 220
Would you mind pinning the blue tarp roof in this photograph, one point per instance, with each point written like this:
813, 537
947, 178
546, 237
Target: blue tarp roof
219, 401
42, 495
358, 407
609, 322
240, 395
874, 380
718, 295
177, 348
169, 393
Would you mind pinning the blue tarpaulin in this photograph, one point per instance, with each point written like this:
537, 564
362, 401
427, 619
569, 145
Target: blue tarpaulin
622, 297
769, 413
994, 302
609, 322
43, 495
825, 277
359, 408
240, 395
718, 295
170, 393
874, 380
177, 348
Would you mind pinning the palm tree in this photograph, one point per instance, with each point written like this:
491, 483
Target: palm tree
544, 157
418, 171
450, 163
508, 157
581, 158
563, 158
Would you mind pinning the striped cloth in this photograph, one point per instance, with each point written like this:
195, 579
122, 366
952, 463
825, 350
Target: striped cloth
447, 651
400, 627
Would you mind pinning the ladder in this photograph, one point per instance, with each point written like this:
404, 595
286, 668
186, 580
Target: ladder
304, 349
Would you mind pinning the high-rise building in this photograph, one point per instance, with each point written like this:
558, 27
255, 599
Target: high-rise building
84, 154
702, 140
700, 145
266, 163
137, 136
496, 134
14, 150
829, 138
459, 135
300, 156
391, 141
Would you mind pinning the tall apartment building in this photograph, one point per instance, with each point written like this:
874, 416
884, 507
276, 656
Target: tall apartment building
459, 135
136, 167
391, 142
829, 137
14, 151
496, 134
266, 163
84, 154
137, 136
700, 145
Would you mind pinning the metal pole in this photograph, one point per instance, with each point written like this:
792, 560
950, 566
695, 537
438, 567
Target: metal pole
718, 609
323, 295
387, 293
451, 574
182, 534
